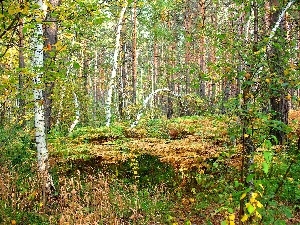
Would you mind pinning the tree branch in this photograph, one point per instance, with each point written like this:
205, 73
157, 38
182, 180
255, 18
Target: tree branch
11, 25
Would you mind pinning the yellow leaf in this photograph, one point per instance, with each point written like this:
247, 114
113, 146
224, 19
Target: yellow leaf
192, 200
243, 196
254, 195
286, 72
135, 172
39, 20
247, 75
259, 205
25, 10
262, 187
245, 218
12, 10
268, 80
246, 135
257, 214
231, 223
68, 35
227, 69
231, 217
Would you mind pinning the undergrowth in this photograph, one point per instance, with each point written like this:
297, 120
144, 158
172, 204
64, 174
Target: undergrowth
121, 175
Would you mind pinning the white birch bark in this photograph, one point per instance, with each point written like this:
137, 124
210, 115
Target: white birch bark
111, 83
39, 118
76, 103
249, 29
145, 103
277, 24
95, 78
274, 29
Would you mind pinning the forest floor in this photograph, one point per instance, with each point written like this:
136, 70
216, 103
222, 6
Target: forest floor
193, 162
184, 143
181, 171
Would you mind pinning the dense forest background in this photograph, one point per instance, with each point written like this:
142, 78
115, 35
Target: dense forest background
149, 112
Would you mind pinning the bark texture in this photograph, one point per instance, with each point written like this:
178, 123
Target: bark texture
39, 117
115, 67
50, 35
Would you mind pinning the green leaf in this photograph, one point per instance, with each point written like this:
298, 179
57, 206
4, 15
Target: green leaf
236, 183
209, 222
76, 65
187, 222
268, 156
280, 222
223, 223
249, 177
250, 208
265, 167
98, 20
287, 212
268, 144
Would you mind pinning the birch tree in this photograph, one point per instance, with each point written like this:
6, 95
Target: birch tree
111, 83
277, 55
39, 117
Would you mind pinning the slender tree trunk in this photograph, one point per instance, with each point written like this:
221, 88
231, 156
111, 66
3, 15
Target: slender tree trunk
248, 145
155, 69
170, 74
95, 88
276, 58
240, 66
188, 39
50, 35
122, 80
39, 116
77, 117
298, 42
85, 70
21, 97
201, 58
145, 103
134, 53
212, 60
225, 92
111, 84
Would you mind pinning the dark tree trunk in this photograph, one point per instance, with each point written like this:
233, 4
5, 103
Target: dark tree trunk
280, 106
122, 81
276, 58
50, 35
